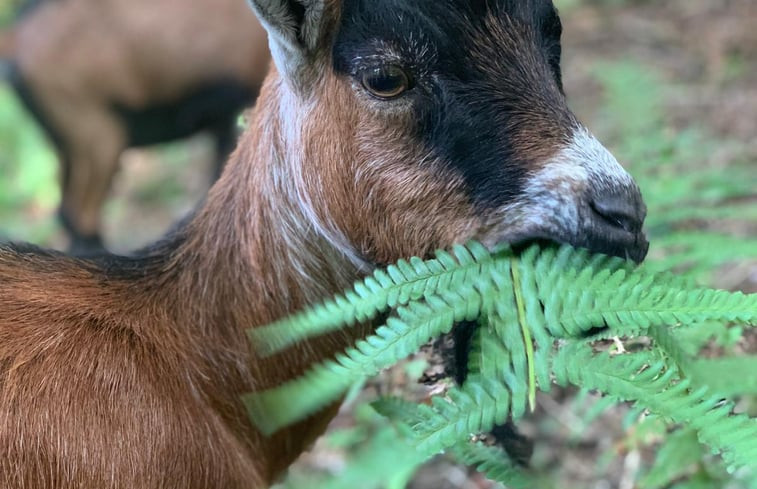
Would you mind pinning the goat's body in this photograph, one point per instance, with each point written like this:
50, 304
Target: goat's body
135, 54
133, 73
104, 379
99, 381
108, 385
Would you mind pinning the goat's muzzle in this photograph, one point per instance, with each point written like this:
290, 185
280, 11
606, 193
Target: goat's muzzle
613, 221
582, 197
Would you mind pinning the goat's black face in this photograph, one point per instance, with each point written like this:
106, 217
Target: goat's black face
475, 85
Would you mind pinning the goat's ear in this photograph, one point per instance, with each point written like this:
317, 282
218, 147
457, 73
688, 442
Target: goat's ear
295, 28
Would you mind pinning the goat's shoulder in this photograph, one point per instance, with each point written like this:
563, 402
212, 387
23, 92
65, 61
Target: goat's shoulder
78, 359
47, 281
48, 299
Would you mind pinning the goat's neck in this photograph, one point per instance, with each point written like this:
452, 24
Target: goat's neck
255, 252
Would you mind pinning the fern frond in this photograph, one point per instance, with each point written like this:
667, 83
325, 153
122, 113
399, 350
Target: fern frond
493, 462
398, 285
665, 338
487, 399
500, 363
728, 376
640, 303
534, 312
379, 457
496, 464
414, 326
474, 408
674, 459
644, 379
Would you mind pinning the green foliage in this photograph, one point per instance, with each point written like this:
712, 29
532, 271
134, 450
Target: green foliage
371, 441
398, 285
687, 189
700, 199
7, 11
686, 186
415, 324
675, 458
534, 312
30, 188
496, 464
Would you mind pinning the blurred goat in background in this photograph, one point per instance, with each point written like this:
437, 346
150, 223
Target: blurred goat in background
101, 76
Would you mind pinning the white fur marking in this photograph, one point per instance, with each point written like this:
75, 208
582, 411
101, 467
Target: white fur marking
295, 185
558, 195
591, 155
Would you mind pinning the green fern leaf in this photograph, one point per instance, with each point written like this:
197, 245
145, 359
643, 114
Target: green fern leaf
483, 402
674, 459
400, 284
533, 312
645, 380
497, 466
403, 335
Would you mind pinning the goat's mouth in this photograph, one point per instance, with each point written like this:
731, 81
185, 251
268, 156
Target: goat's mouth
606, 240
615, 242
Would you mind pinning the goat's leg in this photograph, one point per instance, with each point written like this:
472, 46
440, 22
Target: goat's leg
88, 171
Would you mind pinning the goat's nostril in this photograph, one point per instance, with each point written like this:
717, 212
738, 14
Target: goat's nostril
620, 211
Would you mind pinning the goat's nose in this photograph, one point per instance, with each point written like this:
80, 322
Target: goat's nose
620, 210
615, 223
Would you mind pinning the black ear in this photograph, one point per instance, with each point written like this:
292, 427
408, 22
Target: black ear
294, 30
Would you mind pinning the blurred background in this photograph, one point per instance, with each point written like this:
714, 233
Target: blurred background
670, 87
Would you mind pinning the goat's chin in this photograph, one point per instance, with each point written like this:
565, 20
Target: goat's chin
518, 240
628, 246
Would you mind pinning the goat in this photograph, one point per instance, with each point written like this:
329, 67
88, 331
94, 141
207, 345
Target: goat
384, 130
104, 75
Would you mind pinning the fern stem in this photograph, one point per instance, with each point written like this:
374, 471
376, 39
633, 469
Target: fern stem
527, 340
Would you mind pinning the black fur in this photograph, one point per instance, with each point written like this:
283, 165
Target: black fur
475, 87
214, 106
103, 264
298, 10
81, 244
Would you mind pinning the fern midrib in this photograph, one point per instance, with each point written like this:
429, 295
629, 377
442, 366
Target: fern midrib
526, 331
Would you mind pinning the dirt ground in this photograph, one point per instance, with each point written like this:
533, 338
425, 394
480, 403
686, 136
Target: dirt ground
706, 49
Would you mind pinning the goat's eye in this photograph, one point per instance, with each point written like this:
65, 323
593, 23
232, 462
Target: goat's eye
387, 82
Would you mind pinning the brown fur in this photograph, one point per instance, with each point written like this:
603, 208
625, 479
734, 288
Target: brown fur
134, 379
540, 102
389, 198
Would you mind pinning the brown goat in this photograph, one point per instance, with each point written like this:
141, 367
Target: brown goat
387, 129
104, 75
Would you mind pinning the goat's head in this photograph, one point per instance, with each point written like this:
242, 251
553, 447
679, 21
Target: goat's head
416, 124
